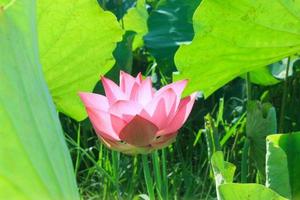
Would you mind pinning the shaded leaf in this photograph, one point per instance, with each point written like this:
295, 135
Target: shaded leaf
170, 24
123, 54
261, 122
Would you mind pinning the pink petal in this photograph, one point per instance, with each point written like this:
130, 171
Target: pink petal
169, 96
134, 92
125, 109
177, 86
161, 108
139, 78
184, 109
93, 100
117, 124
126, 82
102, 123
138, 132
112, 91
145, 93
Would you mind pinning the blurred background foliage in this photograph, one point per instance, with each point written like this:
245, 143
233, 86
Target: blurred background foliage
153, 32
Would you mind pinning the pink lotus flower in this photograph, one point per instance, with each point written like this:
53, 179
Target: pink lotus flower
134, 118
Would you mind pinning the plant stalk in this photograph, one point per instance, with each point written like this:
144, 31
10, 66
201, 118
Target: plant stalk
165, 193
245, 153
249, 87
157, 172
115, 162
245, 167
284, 97
77, 151
148, 178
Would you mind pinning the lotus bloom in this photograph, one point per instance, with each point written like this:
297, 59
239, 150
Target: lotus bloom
134, 118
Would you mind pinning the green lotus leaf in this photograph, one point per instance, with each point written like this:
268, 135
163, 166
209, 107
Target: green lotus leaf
76, 42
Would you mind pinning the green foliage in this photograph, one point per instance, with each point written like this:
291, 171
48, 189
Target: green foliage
76, 42
136, 20
226, 190
123, 55
247, 192
170, 23
290, 144
261, 122
263, 76
223, 171
34, 160
234, 37
277, 175
211, 136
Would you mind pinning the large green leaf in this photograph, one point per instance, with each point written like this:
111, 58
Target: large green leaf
261, 122
235, 191
236, 36
76, 41
290, 144
34, 159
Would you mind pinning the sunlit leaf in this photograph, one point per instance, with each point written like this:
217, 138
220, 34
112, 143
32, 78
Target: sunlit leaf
277, 175
234, 191
236, 36
290, 144
76, 43
34, 160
